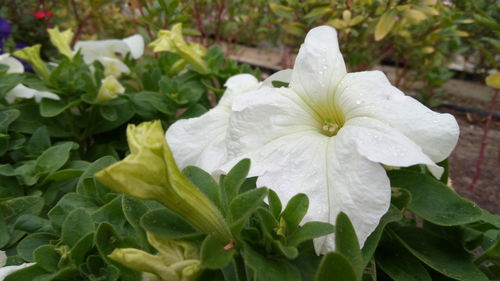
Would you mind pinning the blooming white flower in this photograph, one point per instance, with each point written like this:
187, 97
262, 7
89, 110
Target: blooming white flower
327, 134
14, 65
201, 141
105, 51
6, 270
21, 91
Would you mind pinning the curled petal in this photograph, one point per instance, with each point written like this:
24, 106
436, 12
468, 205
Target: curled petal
135, 44
21, 91
370, 94
14, 65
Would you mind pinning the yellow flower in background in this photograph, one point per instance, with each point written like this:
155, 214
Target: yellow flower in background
175, 260
150, 173
32, 55
61, 40
173, 41
110, 89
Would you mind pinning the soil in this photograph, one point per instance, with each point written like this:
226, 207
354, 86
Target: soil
465, 156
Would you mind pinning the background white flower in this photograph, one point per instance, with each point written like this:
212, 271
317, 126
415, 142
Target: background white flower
105, 51
327, 134
14, 65
201, 141
23, 92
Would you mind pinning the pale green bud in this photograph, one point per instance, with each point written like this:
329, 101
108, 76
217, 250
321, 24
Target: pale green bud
32, 55
110, 89
150, 172
176, 260
61, 40
173, 41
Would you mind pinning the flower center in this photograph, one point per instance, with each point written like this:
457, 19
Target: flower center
330, 127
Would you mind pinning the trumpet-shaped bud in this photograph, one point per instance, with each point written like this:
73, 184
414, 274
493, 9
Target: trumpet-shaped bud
173, 41
110, 89
32, 55
150, 172
61, 40
175, 261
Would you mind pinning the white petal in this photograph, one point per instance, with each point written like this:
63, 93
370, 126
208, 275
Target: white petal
358, 187
93, 49
319, 67
21, 91
282, 76
135, 44
371, 94
201, 141
265, 115
14, 65
381, 143
236, 85
7, 270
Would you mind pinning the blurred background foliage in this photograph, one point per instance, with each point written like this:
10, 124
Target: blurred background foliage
422, 37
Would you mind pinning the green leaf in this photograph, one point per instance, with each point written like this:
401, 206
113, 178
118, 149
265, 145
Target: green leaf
385, 24
235, 178
290, 252
400, 265
440, 254
7, 117
4, 232
106, 241
39, 141
295, 211
371, 243
346, 243
308, 231
274, 203
282, 11
133, 210
66, 204
93, 168
434, 201
81, 248
54, 158
31, 223
110, 113
213, 255
279, 84
167, 223
268, 268
77, 224
47, 257
244, 205
28, 245
400, 197
335, 267
52, 108
204, 182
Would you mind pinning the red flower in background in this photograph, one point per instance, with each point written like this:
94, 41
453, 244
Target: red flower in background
42, 14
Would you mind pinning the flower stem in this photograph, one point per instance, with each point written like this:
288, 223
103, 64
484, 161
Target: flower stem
484, 142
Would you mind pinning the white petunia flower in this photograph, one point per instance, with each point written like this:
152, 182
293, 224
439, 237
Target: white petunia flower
105, 51
328, 134
14, 65
201, 141
23, 92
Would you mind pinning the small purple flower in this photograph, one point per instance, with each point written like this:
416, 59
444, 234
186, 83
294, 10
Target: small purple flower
447, 3
5, 29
